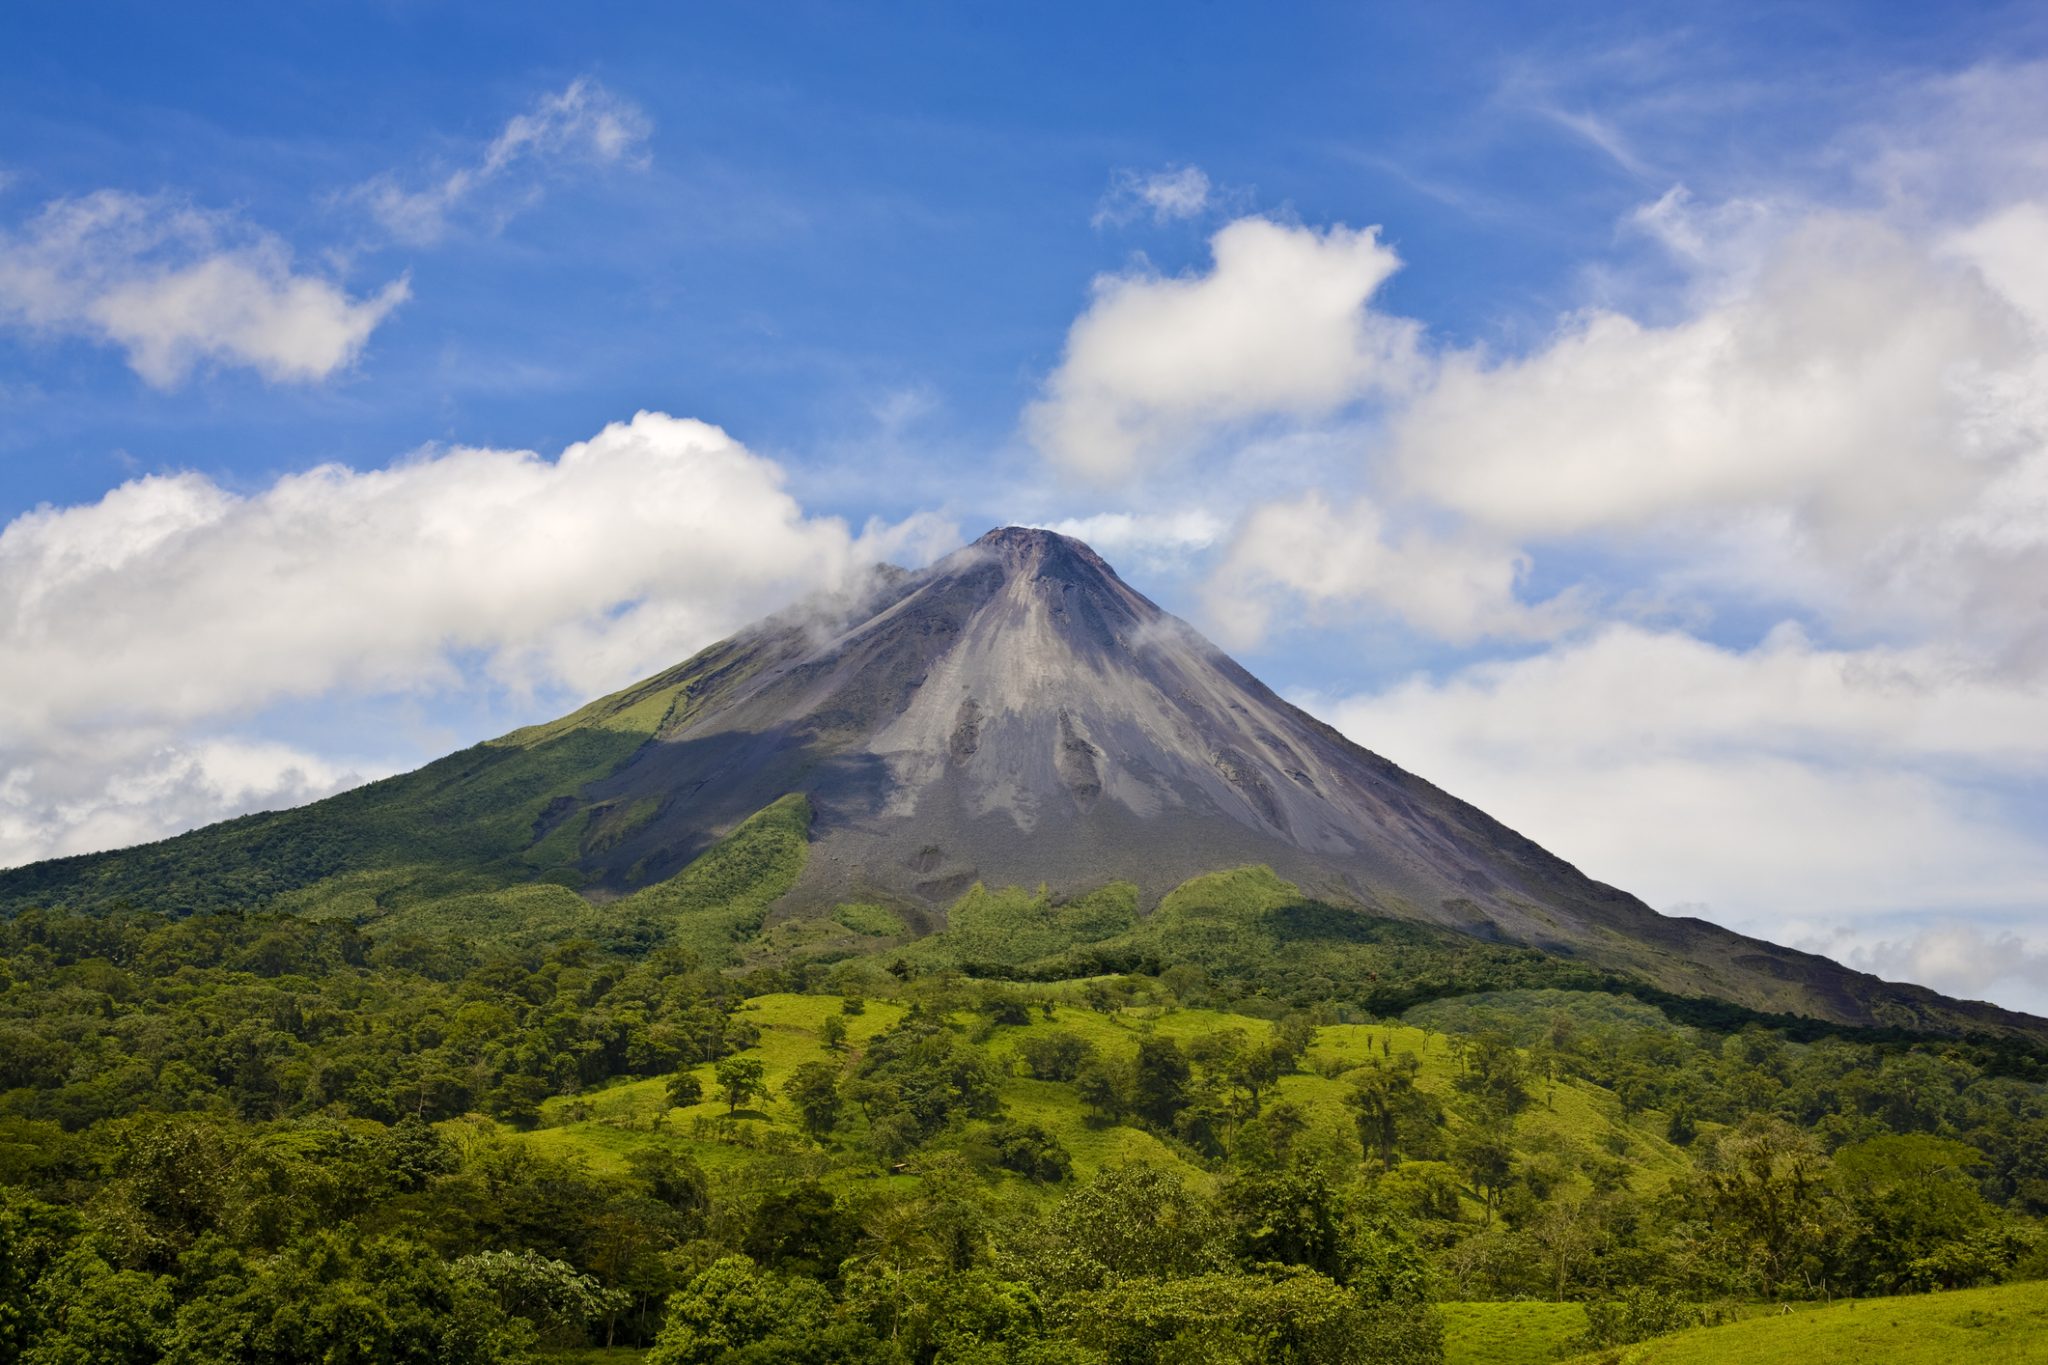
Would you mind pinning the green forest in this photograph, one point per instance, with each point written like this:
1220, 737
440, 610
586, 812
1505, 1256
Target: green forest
360, 1125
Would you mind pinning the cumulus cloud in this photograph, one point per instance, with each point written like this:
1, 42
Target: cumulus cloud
1851, 416
174, 287
1164, 195
1856, 376
172, 604
1788, 779
1279, 324
650, 537
1453, 588
1966, 142
79, 793
582, 123
1957, 957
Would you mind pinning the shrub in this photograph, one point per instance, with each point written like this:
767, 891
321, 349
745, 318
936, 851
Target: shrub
1031, 1151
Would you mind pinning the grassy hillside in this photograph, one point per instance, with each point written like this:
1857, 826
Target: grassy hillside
1576, 1126
1517, 1333
712, 906
2001, 1325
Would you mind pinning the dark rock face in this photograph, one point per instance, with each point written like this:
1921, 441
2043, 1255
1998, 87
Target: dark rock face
1017, 714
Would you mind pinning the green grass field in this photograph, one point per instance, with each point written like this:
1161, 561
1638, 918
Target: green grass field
1509, 1333
2005, 1325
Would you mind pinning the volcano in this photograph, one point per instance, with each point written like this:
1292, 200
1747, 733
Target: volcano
1019, 714
1016, 714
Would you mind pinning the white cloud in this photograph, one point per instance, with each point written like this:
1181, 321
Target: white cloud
1957, 957
175, 287
1785, 780
1454, 588
1836, 410
1856, 378
1279, 325
1960, 145
1850, 416
1154, 538
584, 122
625, 551
173, 603
1173, 193
86, 792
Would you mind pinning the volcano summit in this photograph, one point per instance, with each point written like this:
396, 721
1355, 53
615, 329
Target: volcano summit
1014, 715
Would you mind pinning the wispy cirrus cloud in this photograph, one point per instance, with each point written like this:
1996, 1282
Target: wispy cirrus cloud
583, 123
1174, 192
176, 287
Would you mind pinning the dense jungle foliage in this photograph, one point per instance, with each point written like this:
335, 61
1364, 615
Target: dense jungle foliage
271, 1138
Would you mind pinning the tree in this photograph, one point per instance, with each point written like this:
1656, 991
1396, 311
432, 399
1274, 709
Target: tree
1104, 1087
1288, 1217
1300, 1318
1484, 1153
732, 1304
1390, 1108
338, 1296
1031, 1151
673, 1178
949, 1315
1918, 1216
1056, 1056
550, 1294
1255, 1066
1494, 1073
1159, 1087
814, 1089
1292, 1038
917, 1078
33, 1235
1567, 1233
803, 1230
684, 1090
1134, 1220
97, 1315
832, 1033
1761, 1197
739, 1080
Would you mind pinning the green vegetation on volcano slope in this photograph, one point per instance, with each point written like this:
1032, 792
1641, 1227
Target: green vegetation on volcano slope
1248, 931
1253, 937
495, 814
714, 903
458, 824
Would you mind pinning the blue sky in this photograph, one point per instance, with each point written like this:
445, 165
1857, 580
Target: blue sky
1630, 417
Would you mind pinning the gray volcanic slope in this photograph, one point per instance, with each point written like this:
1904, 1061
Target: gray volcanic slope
1017, 714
